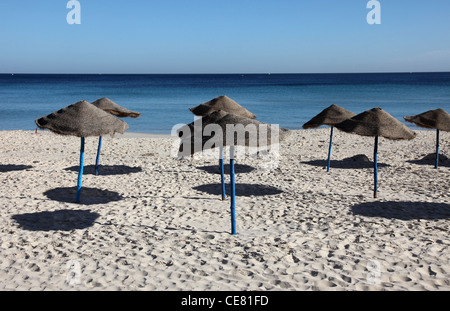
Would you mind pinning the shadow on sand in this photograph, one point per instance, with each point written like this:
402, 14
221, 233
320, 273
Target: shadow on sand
13, 167
238, 168
430, 159
355, 162
106, 170
245, 190
64, 220
403, 210
88, 196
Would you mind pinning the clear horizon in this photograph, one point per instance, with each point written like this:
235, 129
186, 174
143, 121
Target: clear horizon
233, 37
220, 73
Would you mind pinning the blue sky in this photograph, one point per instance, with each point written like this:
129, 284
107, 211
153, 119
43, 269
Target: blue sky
218, 36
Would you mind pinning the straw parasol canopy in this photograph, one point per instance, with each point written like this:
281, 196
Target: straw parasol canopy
433, 119
222, 103
109, 106
82, 119
376, 122
437, 119
329, 116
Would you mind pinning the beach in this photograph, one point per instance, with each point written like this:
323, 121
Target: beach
151, 221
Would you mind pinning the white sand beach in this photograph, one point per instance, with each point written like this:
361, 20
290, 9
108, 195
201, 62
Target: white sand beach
153, 222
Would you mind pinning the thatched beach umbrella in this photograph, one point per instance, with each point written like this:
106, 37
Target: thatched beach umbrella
376, 122
111, 107
82, 119
223, 103
114, 109
329, 116
264, 134
190, 129
437, 119
227, 105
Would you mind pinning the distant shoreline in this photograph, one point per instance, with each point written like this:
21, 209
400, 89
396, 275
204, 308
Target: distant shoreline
118, 135
153, 135
234, 73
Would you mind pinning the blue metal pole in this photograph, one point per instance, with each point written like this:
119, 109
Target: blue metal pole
80, 173
222, 173
375, 166
233, 194
98, 155
329, 149
437, 149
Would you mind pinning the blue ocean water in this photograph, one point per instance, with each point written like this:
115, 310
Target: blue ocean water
289, 100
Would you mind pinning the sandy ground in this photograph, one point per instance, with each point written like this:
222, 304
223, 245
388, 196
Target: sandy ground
154, 222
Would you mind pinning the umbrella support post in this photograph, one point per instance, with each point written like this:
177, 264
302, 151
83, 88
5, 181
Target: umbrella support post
222, 173
97, 160
233, 194
375, 167
437, 150
80, 173
329, 150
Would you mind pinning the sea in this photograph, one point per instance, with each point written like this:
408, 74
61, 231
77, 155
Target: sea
289, 100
